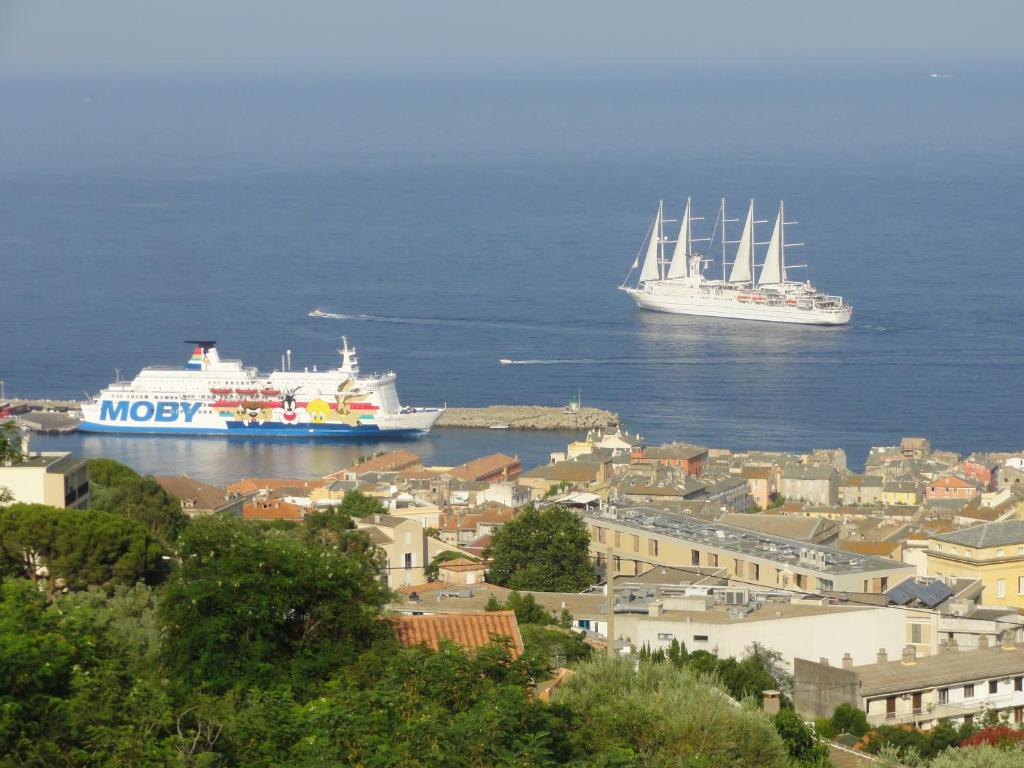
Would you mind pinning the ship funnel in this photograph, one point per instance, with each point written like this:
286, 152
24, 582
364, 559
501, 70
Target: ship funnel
288, 359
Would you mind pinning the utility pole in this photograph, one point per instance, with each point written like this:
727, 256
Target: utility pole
609, 569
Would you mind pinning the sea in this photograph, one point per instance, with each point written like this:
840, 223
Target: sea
448, 221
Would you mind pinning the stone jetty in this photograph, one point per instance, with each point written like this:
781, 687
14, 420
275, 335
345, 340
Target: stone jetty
528, 417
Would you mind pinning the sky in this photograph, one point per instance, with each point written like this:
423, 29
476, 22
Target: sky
338, 37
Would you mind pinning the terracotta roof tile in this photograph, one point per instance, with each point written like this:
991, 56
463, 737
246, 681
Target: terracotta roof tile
469, 630
388, 462
484, 466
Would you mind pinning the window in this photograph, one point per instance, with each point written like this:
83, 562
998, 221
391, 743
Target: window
714, 560
618, 537
993, 686
938, 547
408, 560
1020, 550
1018, 683
636, 543
915, 633
700, 638
652, 547
694, 557
600, 535
1000, 587
1000, 553
737, 567
665, 636
943, 695
969, 691
1020, 585
825, 585
757, 572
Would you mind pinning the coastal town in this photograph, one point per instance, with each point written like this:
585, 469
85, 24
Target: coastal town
896, 590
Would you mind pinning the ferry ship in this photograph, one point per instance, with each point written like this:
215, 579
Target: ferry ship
211, 396
680, 285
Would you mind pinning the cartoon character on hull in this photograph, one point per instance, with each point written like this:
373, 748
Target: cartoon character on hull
289, 412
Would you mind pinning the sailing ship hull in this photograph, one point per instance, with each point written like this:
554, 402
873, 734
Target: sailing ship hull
728, 305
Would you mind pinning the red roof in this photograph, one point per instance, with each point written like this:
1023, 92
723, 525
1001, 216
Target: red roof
469, 630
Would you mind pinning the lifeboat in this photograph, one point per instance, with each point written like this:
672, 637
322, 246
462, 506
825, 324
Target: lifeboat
246, 392
743, 297
270, 391
791, 302
758, 298
220, 390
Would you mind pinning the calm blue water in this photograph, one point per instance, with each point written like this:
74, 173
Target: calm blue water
456, 222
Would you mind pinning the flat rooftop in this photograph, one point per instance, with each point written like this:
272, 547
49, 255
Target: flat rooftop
747, 542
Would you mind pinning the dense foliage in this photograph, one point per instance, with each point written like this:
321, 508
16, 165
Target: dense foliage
266, 646
10, 442
120, 490
74, 549
544, 550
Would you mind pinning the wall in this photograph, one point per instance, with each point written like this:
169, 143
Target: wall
818, 689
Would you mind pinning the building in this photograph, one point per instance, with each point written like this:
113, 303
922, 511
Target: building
262, 507
951, 487
860, 490
760, 485
468, 630
687, 457
981, 469
815, 483
915, 447
393, 461
488, 469
463, 572
508, 494
642, 538
992, 553
54, 478
407, 548
900, 492
199, 498
956, 686
578, 473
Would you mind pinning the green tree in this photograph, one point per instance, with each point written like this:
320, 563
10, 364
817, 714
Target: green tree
10, 442
432, 571
544, 550
629, 714
848, 719
36, 664
76, 549
358, 505
801, 743
252, 605
120, 490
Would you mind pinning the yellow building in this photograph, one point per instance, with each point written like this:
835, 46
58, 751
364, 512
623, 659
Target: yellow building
992, 553
897, 493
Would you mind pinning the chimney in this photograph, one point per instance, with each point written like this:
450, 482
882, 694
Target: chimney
376, 519
882, 656
983, 641
654, 608
847, 661
909, 658
823, 661
770, 702
1008, 644
951, 646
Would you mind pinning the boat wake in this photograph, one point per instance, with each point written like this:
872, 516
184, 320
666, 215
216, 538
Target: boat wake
557, 361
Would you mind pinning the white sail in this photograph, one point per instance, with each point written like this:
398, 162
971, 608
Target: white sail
651, 269
682, 250
742, 268
774, 269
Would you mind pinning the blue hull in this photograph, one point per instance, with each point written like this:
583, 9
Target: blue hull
302, 431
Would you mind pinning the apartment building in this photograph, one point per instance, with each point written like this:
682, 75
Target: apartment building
643, 537
992, 553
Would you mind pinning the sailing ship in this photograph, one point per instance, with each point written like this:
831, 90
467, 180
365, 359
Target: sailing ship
680, 285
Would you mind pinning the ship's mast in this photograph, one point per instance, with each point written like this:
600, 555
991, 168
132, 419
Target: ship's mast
661, 240
721, 214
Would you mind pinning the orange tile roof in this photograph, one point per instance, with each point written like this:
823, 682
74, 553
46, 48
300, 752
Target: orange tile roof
393, 461
273, 484
469, 630
484, 466
272, 509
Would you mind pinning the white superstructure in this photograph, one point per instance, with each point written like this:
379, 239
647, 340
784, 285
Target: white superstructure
223, 397
679, 285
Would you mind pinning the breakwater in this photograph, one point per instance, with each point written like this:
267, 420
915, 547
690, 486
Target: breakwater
528, 417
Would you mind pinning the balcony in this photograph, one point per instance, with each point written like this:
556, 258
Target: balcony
955, 709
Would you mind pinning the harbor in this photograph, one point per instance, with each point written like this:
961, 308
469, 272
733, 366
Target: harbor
532, 417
